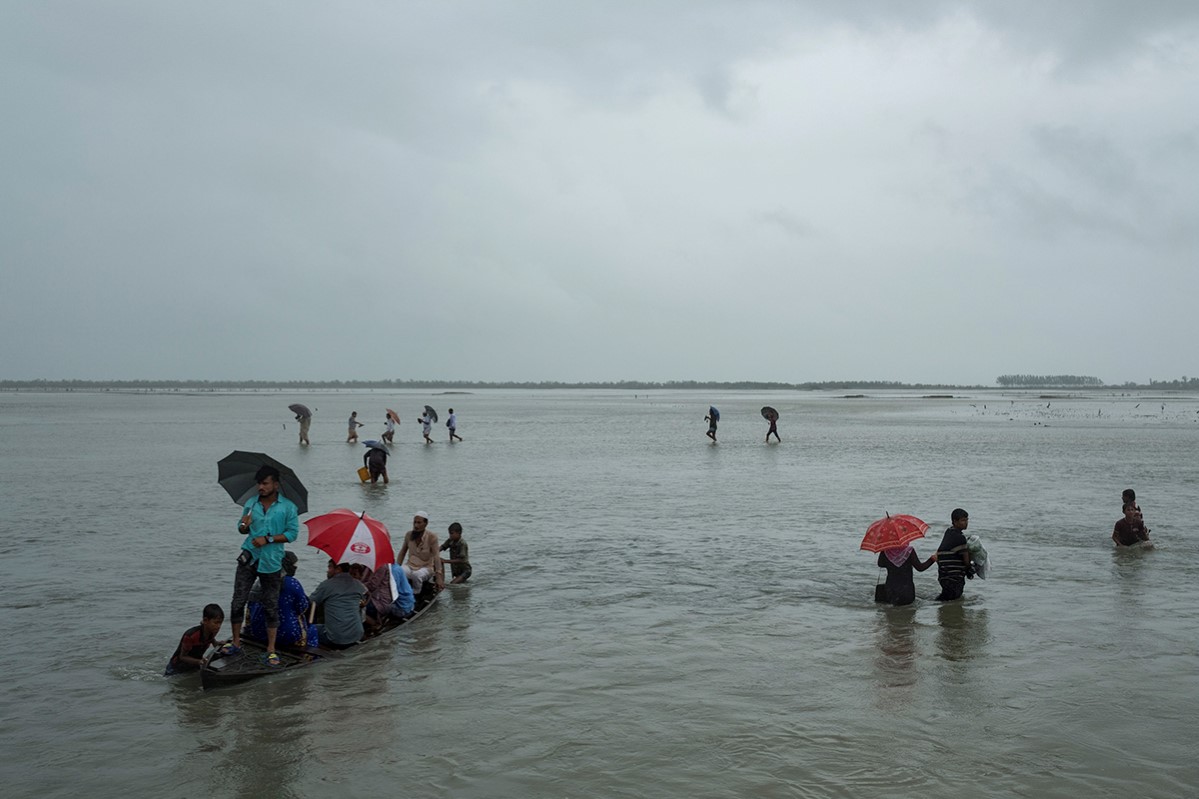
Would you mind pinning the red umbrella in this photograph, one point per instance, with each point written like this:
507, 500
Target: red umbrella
350, 537
395, 417
892, 532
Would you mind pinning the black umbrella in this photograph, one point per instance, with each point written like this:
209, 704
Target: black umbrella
432, 414
299, 410
770, 414
235, 473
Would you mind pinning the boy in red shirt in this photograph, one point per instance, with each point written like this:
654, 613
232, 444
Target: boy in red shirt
195, 642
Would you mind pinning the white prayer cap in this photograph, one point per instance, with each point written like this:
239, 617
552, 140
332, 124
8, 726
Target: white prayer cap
422, 514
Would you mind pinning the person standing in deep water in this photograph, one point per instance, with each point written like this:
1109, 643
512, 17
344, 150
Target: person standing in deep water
899, 562
953, 558
1131, 529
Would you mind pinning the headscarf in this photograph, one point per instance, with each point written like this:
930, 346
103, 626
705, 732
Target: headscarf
898, 555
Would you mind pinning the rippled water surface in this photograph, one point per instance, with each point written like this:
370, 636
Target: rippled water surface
651, 615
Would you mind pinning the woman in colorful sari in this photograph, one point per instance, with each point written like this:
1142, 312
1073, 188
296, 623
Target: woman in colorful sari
294, 629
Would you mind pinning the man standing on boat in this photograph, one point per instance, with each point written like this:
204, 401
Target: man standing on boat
269, 522
423, 559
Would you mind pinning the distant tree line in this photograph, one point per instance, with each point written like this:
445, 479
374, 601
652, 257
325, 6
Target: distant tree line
295, 385
1004, 381
1182, 384
1048, 381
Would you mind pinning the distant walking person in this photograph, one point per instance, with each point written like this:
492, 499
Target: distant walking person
712, 418
304, 421
389, 430
426, 424
772, 416
354, 425
452, 424
953, 558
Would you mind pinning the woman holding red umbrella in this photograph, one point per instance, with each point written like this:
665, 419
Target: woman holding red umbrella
899, 562
892, 539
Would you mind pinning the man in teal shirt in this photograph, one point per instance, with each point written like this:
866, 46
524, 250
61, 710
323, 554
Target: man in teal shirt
269, 523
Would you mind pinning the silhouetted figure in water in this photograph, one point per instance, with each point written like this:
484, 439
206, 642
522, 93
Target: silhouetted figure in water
774, 429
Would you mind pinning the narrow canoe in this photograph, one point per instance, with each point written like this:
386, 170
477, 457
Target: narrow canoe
250, 663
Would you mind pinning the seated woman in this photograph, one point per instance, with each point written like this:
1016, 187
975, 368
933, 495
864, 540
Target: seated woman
389, 595
899, 562
294, 629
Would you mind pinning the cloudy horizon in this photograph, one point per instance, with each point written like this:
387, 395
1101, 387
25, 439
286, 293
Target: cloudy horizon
936, 192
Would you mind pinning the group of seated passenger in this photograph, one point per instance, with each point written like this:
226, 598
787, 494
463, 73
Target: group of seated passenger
355, 601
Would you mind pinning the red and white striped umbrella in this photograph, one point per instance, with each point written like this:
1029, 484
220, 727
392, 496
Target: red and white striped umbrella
349, 537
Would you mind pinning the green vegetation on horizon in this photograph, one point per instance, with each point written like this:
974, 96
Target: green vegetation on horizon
1004, 381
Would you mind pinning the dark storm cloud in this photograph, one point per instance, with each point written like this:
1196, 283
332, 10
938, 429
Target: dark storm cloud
569, 191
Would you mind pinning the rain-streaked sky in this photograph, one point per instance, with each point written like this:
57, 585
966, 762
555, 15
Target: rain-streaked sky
790, 190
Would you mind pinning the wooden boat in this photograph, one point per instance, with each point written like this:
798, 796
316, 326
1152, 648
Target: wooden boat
219, 671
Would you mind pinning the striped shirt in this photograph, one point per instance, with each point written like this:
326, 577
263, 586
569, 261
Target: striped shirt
951, 554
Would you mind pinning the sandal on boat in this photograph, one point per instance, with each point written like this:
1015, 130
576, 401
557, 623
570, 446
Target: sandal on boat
272, 659
228, 649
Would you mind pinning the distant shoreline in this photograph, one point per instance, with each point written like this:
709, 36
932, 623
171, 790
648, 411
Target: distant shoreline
460, 386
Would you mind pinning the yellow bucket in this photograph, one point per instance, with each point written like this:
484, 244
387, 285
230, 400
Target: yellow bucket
364, 473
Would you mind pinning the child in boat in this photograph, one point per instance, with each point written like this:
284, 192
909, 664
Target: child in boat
459, 558
195, 642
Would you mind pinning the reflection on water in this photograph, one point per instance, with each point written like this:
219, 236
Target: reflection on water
963, 632
1128, 565
259, 734
895, 673
459, 615
375, 495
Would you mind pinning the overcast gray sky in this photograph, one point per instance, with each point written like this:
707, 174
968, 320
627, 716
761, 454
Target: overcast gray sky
791, 191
